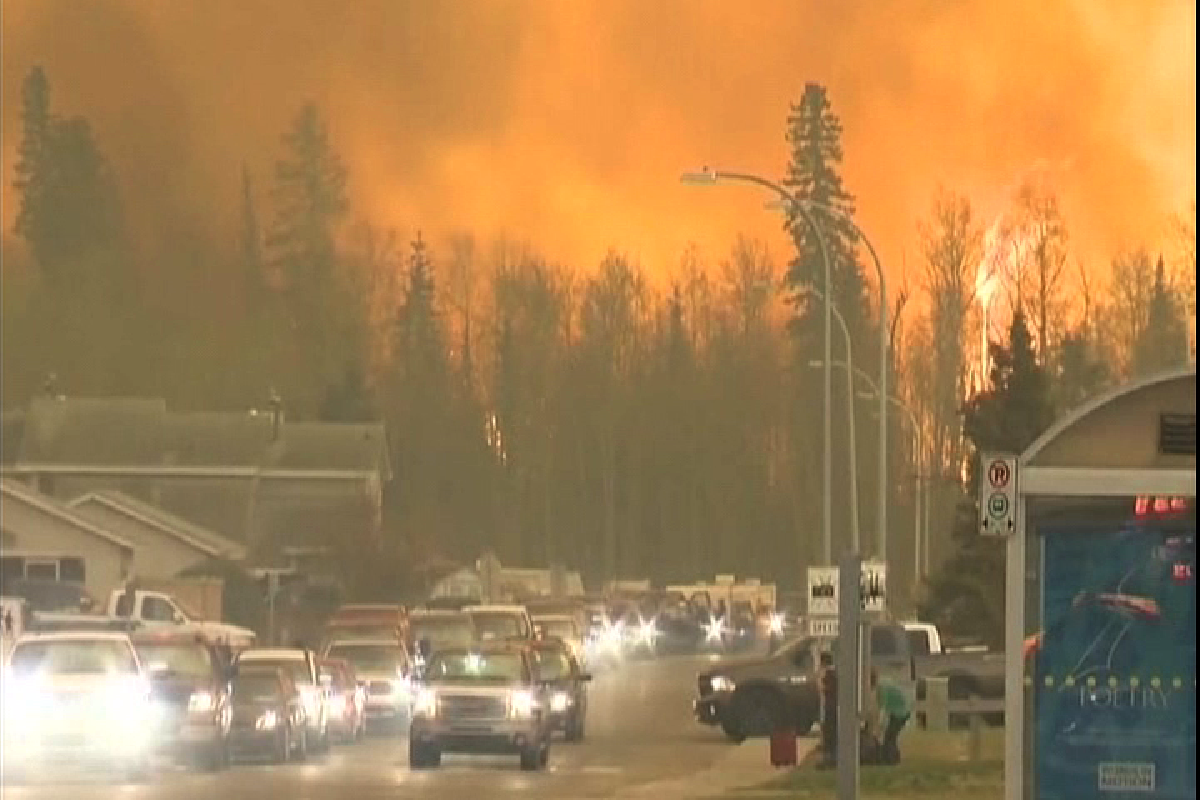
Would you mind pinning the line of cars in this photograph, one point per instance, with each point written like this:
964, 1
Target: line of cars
484, 678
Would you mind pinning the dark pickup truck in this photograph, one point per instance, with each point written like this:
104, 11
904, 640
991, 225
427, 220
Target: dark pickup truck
750, 697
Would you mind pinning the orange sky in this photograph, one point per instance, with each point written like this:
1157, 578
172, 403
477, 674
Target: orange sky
567, 122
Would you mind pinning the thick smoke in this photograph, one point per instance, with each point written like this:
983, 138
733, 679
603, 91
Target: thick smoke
566, 123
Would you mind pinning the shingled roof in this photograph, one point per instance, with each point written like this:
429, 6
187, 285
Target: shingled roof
201, 538
140, 432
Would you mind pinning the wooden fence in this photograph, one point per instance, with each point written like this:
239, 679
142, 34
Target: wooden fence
936, 711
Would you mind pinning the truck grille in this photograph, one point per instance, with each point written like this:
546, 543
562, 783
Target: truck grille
379, 688
471, 707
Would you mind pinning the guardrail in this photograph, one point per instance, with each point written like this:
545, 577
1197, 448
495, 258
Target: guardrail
937, 710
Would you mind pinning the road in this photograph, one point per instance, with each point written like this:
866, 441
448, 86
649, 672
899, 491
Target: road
640, 730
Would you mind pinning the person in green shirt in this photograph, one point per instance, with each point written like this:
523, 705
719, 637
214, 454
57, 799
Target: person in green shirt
894, 711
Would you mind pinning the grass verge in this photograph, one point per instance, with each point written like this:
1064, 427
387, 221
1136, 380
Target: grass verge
934, 767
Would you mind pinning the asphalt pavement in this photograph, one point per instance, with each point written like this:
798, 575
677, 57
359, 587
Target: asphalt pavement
641, 741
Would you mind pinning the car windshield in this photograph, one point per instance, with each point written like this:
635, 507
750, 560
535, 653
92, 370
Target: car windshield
552, 665
256, 688
74, 657
448, 632
181, 660
296, 668
562, 628
481, 667
365, 631
369, 657
918, 642
497, 624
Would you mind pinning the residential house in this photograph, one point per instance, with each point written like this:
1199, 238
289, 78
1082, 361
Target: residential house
166, 544
253, 478
43, 538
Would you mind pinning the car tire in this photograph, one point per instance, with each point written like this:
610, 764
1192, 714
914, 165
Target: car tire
211, 758
756, 711
302, 747
532, 758
423, 756
282, 751
574, 729
732, 728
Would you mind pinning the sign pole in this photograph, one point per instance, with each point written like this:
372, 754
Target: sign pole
849, 676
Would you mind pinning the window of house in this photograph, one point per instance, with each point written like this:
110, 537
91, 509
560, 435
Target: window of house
72, 570
43, 569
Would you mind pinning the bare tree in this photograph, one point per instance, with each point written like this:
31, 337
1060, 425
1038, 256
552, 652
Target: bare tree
1045, 234
1127, 312
951, 242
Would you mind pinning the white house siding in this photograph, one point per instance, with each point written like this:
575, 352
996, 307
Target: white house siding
159, 555
37, 531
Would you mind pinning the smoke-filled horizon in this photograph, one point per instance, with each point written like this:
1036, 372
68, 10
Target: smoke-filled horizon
567, 123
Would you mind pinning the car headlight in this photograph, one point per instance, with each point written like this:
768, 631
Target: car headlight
520, 704
310, 696
201, 702
776, 625
426, 704
720, 683
24, 703
561, 701
267, 721
337, 705
714, 630
649, 631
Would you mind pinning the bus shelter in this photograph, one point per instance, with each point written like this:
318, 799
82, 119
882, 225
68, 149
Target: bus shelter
1101, 601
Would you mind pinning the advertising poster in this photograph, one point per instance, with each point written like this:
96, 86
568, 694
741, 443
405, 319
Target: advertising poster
1115, 666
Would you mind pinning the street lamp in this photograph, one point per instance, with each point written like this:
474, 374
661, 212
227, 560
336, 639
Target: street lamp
856, 539
707, 177
881, 514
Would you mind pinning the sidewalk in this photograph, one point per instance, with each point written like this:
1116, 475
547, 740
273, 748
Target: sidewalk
745, 765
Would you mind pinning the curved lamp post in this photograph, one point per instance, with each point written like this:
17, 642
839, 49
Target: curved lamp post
708, 177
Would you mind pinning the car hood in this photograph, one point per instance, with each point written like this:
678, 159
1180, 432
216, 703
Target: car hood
743, 667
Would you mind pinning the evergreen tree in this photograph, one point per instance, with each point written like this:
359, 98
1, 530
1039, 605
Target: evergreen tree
814, 175
250, 244
1163, 342
966, 596
1082, 370
350, 399
69, 211
310, 204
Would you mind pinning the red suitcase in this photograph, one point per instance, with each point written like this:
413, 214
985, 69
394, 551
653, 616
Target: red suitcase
783, 747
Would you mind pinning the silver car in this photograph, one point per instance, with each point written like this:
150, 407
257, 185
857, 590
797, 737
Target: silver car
384, 669
484, 700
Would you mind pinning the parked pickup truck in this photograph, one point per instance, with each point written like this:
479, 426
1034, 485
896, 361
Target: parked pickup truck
749, 697
159, 608
971, 672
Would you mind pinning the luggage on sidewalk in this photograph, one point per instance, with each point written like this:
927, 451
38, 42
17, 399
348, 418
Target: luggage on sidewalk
783, 747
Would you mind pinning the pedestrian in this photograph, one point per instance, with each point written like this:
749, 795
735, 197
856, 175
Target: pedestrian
827, 684
894, 712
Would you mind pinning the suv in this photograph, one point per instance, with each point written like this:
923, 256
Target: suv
483, 700
749, 697
189, 679
384, 668
75, 698
301, 667
500, 622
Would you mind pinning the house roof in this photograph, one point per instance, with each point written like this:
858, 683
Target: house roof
63, 433
17, 492
200, 538
94, 431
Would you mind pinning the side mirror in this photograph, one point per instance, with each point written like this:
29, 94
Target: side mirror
178, 618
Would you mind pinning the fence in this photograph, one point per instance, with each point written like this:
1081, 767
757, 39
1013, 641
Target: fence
936, 711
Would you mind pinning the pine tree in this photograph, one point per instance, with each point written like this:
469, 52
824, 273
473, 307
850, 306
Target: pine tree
69, 211
250, 243
966, 596
309, 196
31, 170
814, 175
1163, 343
350, 399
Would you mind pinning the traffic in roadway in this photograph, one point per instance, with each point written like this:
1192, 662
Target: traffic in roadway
640, 731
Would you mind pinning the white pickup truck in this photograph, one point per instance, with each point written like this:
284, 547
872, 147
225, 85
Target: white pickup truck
159, 608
